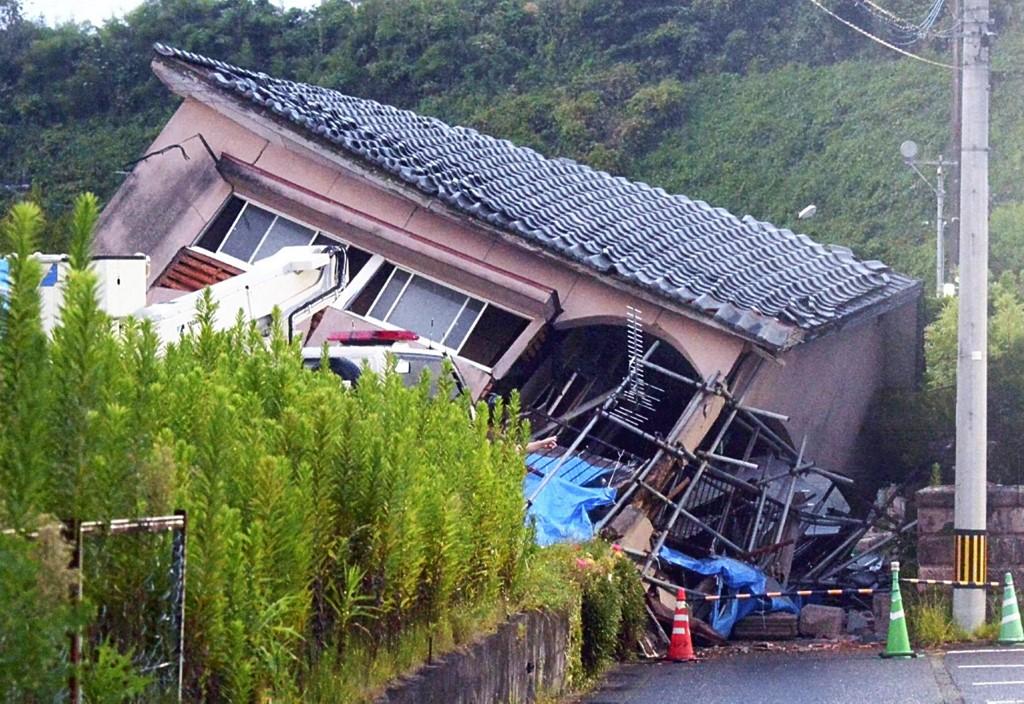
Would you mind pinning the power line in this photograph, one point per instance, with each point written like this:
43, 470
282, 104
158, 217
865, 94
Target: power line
879, 40
905, 32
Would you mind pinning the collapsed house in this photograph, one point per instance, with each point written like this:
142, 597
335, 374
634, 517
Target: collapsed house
715, 371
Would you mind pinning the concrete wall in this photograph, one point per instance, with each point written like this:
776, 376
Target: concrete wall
525, 658
1005, 532
826, 387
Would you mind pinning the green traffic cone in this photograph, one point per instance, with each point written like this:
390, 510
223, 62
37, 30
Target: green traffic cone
1010, 631
898, 643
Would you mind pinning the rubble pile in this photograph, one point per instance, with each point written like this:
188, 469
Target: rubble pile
725, 508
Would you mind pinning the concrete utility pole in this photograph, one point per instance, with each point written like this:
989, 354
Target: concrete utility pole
940, 229
952, 234
969, 521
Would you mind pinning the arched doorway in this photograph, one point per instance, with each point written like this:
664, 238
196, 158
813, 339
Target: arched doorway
574, 371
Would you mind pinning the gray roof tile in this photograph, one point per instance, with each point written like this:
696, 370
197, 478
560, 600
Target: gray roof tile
768, 283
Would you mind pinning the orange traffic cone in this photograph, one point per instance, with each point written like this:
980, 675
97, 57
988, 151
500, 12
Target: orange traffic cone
680, 648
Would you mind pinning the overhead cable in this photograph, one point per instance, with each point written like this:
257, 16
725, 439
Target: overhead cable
879, 40
904, 31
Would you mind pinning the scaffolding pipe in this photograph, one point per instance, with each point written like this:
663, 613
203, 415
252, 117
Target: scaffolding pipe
602, 412
686, 495
575, 413
729, 460
873, 549
789, 496
693, 519
767, 414
671, 374
684, 454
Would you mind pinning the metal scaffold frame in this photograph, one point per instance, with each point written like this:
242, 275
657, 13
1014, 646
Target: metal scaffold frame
758, 520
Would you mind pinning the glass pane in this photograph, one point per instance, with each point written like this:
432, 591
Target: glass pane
427, 309
284, 233
247, 232
492, 336
389, 294
366, 297
218, 229
462, 325
322, 239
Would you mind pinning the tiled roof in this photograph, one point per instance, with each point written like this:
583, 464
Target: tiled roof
767, 283
191, 270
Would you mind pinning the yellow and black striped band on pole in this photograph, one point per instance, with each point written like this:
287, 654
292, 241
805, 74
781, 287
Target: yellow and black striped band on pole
970, 558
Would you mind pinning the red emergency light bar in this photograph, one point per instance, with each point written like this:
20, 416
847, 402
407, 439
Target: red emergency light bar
372, 337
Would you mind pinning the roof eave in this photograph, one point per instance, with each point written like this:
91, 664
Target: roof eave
188, 82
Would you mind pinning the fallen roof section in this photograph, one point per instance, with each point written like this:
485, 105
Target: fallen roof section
766, 283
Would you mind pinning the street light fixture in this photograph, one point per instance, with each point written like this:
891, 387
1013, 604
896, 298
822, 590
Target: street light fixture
909, 151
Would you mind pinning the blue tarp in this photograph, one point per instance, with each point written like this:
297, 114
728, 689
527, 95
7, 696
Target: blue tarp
560, 512
735, 577
575, 470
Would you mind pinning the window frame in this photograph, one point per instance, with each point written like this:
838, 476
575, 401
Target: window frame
363, 279
438, 343
246, 202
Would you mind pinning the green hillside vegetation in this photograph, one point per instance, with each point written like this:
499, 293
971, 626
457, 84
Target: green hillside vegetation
758, 106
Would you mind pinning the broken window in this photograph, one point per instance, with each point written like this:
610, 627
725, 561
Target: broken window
474, 329
495, 331
248, 232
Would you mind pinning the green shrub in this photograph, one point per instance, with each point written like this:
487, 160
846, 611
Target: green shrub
611, 607
110, 677
930, 619
602, 617
317, 514
35, 617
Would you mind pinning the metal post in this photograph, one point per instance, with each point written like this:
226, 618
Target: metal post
969, 517
77, 590
789, 494
179, 549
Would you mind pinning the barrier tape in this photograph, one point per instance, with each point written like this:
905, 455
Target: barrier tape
952, 582
867, 591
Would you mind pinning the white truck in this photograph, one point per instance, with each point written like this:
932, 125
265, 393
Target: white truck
298, 281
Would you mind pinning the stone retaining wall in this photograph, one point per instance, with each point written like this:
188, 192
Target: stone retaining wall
526, 657
1005, 532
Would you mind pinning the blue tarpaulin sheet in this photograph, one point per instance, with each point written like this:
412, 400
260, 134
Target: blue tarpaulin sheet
735, 577
575, 470
560, 512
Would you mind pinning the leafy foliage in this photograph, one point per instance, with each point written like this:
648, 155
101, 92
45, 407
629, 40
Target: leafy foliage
758, 106
321, 519
35, 617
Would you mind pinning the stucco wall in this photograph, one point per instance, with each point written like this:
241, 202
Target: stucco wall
826, 387
525, 658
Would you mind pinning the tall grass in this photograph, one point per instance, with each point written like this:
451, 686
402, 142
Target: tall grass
325, 523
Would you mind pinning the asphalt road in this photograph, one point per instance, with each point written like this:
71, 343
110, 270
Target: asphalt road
982, 676
988, 675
